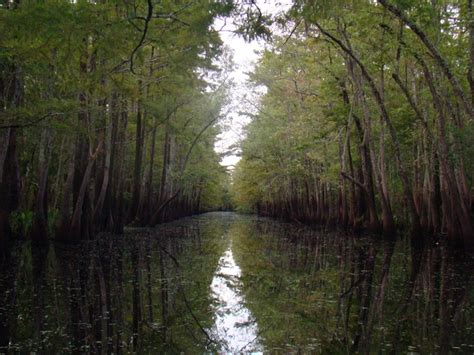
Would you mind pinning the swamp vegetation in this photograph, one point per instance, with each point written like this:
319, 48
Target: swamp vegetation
360, 142
108, 113
367, 119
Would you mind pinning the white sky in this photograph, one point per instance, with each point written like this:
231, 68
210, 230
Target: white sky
244, 56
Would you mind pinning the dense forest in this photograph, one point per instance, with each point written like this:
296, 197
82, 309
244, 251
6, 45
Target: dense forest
354, 177
108, 115
367, 119
110, 112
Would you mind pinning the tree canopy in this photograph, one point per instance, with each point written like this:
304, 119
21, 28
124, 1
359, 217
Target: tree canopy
367, 118
109, 114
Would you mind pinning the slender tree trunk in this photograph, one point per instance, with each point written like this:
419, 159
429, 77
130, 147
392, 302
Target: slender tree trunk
367, 189
352, 194
456, 216
11, 95
118, 200
100, 215
342, 198
137, 172
57, 184
62, 232
164, 170
9, 188
77, 225
149, 191
367, 157
393, 133
39, 231
4, 139
108, 209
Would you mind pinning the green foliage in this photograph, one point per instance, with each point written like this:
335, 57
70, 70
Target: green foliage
86, 69
294, 131
332, 97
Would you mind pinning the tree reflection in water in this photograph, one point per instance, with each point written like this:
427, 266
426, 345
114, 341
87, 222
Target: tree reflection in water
216, 281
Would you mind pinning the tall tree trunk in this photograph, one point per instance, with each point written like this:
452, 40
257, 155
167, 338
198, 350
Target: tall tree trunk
56, 188
80, 222
4, 139
118, 200
39, 230
108, 209
164, 171
393, 133
137, 172
367, 157
149, 184
455, 213
100, 215
9, 188
367, 197
62, 231
11, 95
352, 193
78, 229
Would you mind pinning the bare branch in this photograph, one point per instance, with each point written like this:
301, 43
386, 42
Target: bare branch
145, 30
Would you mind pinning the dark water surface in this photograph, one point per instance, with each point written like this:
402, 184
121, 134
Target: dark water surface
223, 282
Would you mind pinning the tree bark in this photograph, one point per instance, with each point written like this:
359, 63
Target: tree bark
77, 227
137, 172
39, 230
455, 213
62, 232
10, 189
99, 214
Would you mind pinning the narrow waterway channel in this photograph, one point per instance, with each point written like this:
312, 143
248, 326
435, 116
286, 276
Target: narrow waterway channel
227, 283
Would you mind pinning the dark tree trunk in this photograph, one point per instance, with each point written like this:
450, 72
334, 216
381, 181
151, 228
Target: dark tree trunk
11, 95
62, 232
100, 213
137, 172
39, 231
9, 188
118, 199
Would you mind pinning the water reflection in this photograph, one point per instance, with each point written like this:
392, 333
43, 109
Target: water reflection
234, 328
220, 281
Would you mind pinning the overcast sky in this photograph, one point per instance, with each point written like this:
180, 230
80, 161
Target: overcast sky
245, 56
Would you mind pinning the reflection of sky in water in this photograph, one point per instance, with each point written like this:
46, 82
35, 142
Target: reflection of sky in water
234, 327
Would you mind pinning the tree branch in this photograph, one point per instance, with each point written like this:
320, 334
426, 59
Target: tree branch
145, 30
434, 52
351, 179
32, 123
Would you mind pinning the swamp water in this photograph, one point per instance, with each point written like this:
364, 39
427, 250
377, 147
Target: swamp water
222, 282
